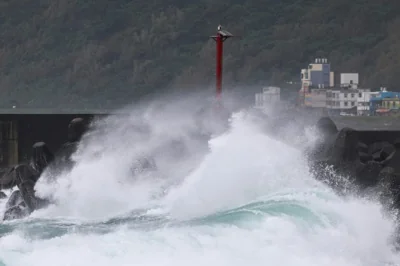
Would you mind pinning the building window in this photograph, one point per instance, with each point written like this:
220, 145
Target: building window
346, 103
360, 95
352, 95
345, 95
353, 103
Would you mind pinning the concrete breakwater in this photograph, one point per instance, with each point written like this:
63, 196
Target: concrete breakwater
361, 161
367, 123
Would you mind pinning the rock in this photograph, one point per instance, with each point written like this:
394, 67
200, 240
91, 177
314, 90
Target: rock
367, 174
7, 180
387, 151
337, 163
365, 157
2, 195
40, 160
41, 157
389, 184
26, 186
377, 156
15, 199
326, 126
343, 151
76, 128
377, 146
390, 178
346, 164
25, 177
15, 212
380, 151
328, 131
15, 207
63, 157
396, 143
362, 147
393, 160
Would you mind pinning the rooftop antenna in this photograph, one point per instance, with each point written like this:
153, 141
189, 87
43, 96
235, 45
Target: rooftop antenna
222, 35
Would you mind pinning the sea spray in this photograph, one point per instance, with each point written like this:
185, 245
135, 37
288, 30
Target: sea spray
242, 166
242, 198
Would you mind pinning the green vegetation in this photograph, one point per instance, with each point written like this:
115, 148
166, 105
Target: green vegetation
100, 53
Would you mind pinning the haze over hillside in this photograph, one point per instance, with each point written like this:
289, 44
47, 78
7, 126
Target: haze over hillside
98, 53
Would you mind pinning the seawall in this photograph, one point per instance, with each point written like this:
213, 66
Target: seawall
359, 155
376, 123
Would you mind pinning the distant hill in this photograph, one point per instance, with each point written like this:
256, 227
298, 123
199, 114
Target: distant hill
100, 53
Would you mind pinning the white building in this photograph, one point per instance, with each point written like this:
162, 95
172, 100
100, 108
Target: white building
317, 90
342, 100
355, 101
269, 96
349, 80
363, 101
349, 98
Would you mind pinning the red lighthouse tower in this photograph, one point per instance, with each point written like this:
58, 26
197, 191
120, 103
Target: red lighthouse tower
221, 36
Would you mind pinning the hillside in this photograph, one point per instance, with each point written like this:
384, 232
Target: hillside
99, 52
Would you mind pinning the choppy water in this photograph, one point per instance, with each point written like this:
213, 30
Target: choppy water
246, 199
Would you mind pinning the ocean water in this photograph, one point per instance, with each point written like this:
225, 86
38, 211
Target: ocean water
238, 198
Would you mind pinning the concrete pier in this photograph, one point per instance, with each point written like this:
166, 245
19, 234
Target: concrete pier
21, 128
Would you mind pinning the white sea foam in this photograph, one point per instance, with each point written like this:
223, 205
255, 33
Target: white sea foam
239, 166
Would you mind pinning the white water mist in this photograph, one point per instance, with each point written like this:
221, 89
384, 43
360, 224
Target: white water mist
238, 166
